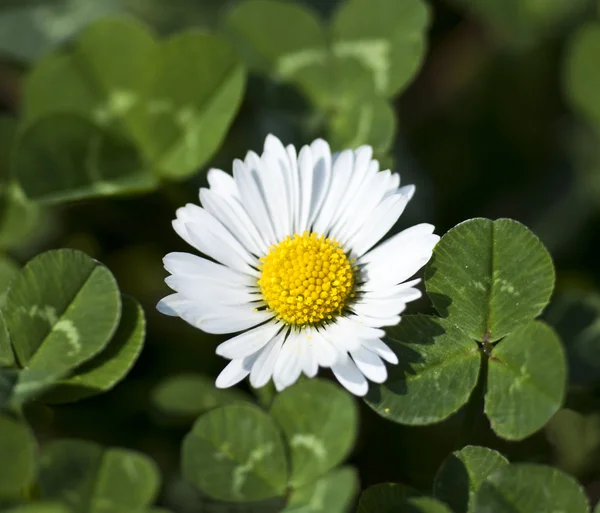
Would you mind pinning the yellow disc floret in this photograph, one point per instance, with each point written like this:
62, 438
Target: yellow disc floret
306, 279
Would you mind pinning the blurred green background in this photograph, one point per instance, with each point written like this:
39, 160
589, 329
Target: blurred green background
502, 119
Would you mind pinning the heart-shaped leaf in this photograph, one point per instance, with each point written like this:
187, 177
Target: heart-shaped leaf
91, 479
332, 493
144, 92
385, 498
235, 453
61, 310
525, 487
461, 474
526, 381
320, 422
65, 157
437, 371
109, 367
489, 277
373, 48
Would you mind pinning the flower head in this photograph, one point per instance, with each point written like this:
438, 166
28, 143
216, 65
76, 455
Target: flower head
293, 269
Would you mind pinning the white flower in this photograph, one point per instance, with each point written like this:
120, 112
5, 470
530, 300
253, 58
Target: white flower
294, 270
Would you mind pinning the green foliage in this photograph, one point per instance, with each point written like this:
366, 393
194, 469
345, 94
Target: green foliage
8, 270
319, 421
526, 487
61, 310
7, 357
65, 157
91, 479
525, 22
581, 83
236, 453
18, 216
438, 370
488, 280
575, 439
526, 381
108, 368
332, 493
185, 396
423, 505
372, 122
384, 498
239, 453
29, 28
128, 118
462, 473
370, 52
576, 317
489, 277
72, 334
17, 457
39, 507
108, 108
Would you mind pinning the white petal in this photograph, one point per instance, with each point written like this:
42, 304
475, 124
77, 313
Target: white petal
170, 305
341, 337
210, 237
290, 173
398, 259
248, 342
379, 222
325, 352
382, 349
205, 291
295, 188
367, 198
357, 179
309, 361
289, 364
384, 308
222, 183
404, 290
276, 194
369, 364
306, 171
352, 324
363, 223
253, 200
342, 168
321, 154
311, 342
264, 179
229, 319
399, 242
188, 265
378, 322
232, 215
262, 370
350, 377
235, 371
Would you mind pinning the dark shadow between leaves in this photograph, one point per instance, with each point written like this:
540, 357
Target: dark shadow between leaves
453, 487
441, 302
183, 496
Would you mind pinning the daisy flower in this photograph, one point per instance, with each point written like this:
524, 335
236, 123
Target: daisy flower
292, 267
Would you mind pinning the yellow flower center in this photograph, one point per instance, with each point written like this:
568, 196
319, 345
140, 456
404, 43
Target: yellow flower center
306, 279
